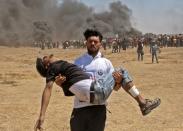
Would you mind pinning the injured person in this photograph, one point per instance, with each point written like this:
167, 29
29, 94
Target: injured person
94, 88
77, 82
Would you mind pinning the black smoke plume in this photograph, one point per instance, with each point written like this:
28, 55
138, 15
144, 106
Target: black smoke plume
24, 21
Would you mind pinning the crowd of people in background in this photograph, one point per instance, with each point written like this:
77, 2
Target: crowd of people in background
45, 44
146, 40
120, 43
116, 44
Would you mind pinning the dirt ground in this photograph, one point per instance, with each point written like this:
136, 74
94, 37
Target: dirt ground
21, 89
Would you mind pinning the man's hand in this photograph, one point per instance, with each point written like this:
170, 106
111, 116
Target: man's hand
118, 78
39, 124
59, 80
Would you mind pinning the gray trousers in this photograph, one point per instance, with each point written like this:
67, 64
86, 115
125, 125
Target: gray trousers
103, 88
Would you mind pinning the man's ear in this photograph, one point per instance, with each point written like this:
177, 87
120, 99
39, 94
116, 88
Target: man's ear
51, 55
100, 45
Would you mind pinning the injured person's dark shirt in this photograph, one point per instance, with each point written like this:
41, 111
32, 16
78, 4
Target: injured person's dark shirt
72, 73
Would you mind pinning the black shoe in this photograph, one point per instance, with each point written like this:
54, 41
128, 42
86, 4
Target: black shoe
150, 105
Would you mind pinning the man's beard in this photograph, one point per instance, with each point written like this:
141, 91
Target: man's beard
91, 52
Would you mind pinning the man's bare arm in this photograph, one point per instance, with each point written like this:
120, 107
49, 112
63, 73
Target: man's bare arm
44, 104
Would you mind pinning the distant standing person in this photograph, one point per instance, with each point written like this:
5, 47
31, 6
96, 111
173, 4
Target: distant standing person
153, 49
140, 51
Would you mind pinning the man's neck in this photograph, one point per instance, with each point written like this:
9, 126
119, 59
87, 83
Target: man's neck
93, 54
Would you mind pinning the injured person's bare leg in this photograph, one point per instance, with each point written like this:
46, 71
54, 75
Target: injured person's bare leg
146, 105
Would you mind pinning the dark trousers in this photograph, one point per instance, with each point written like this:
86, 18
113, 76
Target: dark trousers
140, 55
90, 118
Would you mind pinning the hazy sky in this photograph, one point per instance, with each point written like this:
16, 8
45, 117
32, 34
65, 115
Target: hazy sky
157, 16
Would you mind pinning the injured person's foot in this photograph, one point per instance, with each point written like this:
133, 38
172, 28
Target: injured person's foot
149, 105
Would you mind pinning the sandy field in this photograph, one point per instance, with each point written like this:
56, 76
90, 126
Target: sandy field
21, 89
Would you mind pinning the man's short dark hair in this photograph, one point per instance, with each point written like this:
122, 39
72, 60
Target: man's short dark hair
40, 67
92, 32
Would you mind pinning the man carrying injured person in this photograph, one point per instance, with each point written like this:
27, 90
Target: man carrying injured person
91, 84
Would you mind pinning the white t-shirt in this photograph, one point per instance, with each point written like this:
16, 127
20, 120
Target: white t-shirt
96, 68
